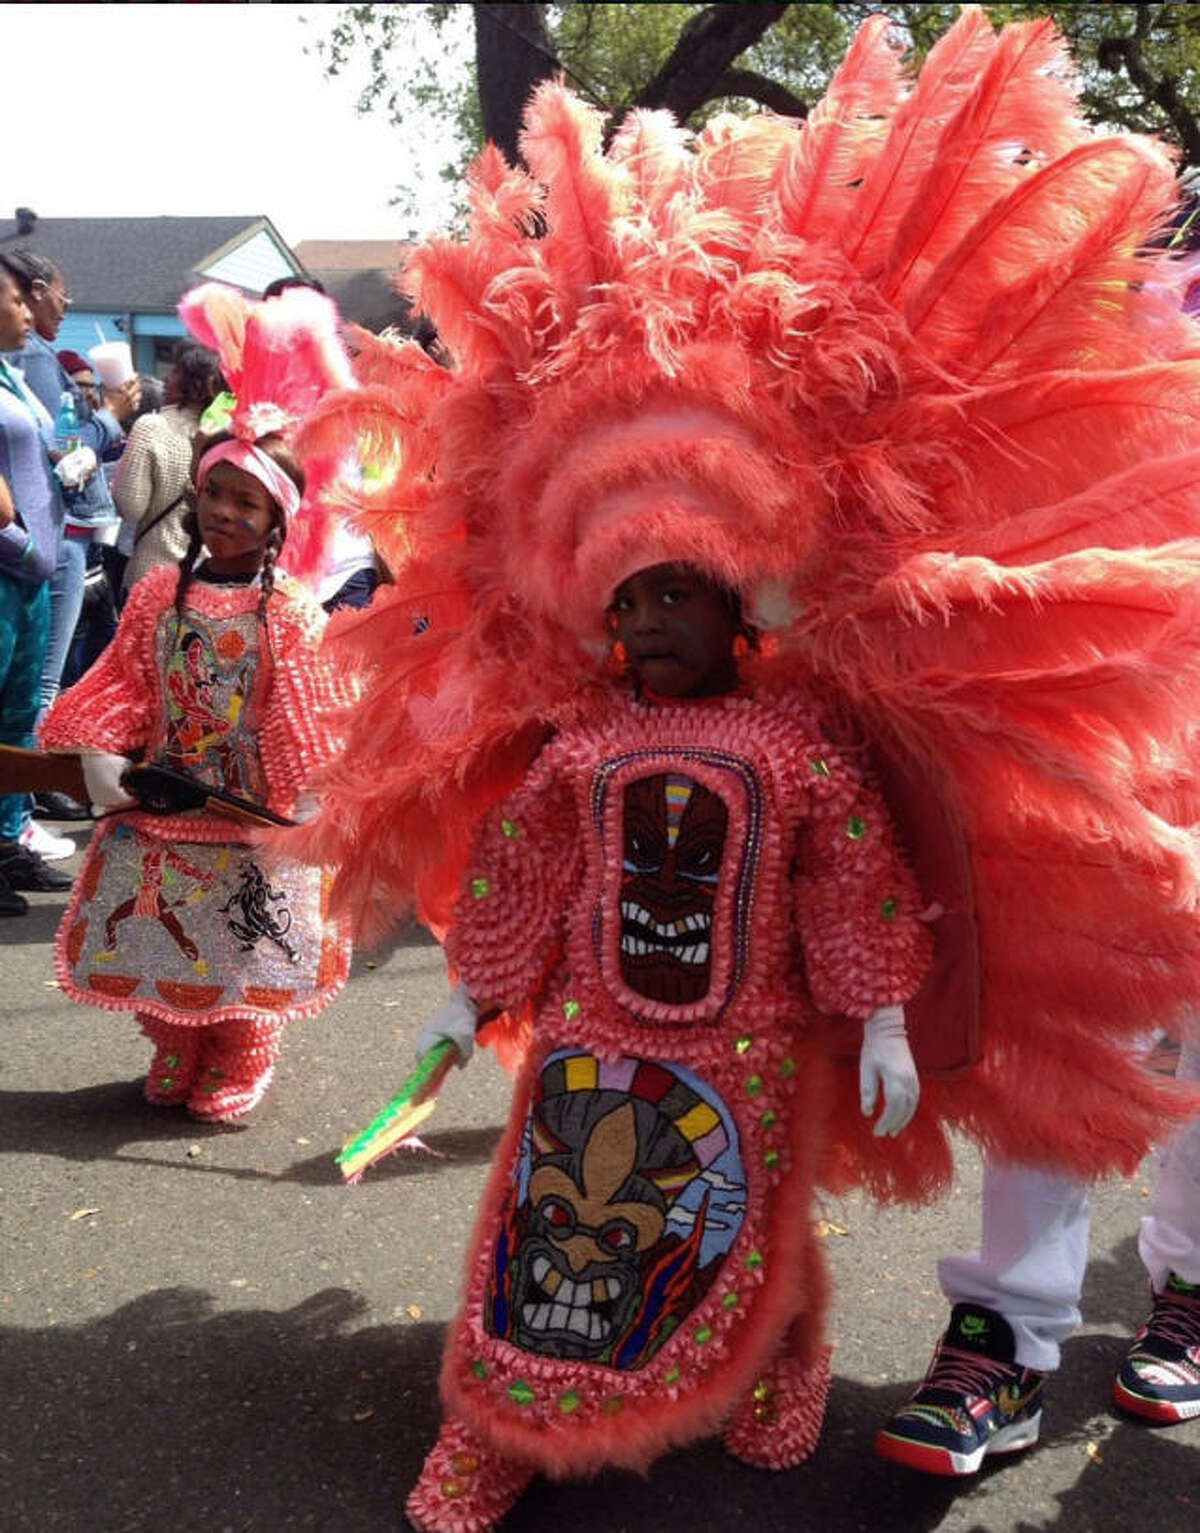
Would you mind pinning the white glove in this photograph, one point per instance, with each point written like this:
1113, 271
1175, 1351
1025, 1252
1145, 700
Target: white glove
886, 1060
102, 773
454, 1019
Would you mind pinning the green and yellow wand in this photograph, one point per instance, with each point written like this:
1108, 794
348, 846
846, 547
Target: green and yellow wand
403, 1115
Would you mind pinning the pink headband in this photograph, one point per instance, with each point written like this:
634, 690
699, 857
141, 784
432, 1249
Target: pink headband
253, 461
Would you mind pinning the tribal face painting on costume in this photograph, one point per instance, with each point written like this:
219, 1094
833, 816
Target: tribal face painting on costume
630, 1191
674, 838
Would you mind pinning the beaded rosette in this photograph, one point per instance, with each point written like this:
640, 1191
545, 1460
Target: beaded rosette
645, 1240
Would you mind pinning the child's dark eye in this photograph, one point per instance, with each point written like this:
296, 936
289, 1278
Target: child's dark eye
673, 598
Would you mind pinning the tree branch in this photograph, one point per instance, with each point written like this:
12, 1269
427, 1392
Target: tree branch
755, 87
512, 54
705, 49
1117, 53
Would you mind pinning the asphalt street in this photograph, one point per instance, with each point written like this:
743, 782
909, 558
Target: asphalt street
203, 1330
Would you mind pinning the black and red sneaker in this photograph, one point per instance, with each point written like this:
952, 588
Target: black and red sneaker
1160, 1377
975, 1400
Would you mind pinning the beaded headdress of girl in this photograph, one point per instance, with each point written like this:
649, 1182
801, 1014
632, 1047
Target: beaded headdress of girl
279, 357
898, 375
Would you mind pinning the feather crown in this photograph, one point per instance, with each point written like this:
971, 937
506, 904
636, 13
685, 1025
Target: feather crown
889, 364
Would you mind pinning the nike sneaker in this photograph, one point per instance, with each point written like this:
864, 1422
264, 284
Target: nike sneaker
974, 1401
1160, 1377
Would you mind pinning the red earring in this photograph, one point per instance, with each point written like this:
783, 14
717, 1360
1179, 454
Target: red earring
741, 646
618, 658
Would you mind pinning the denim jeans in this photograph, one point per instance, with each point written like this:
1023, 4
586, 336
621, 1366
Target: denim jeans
66, 602
24, 634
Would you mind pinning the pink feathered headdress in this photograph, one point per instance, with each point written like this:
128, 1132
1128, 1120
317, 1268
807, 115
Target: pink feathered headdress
279, 357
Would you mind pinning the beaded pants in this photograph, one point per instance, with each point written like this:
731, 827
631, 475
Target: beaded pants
219, 1071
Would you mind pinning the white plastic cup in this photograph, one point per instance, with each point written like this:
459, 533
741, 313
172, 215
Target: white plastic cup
113, 361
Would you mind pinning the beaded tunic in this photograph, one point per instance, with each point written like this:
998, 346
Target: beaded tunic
177, 917
681, 889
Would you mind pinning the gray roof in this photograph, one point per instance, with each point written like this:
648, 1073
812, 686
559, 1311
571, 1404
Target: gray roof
130, 264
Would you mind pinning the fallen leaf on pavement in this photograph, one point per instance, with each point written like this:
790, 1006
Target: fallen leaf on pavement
826, 1227
83, 1213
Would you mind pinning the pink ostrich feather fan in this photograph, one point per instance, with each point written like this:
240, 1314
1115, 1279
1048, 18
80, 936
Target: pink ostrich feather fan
914, 366
280, 358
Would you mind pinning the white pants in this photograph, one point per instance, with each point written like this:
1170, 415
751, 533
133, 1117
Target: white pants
1033, 1251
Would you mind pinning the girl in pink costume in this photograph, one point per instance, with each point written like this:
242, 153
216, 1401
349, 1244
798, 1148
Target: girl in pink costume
215, 671
895, 378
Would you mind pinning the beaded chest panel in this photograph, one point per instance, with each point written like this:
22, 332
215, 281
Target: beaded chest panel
212, 696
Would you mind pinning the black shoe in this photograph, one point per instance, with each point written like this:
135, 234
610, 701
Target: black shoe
23, 869
11, 903
59, 806
975, 1400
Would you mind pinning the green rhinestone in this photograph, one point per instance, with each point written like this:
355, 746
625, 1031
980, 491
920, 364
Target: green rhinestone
510, 828
754, 1085
520, 1393
569, 1402
672, 1375
480, 887
767, 1119
729, 1301
702, 1334
743, 1043
771, 1159
215, 1074
612, 1405
172, 1061
856, 827
571, 1009
820, 766
889, 907
787, 1067
754, 1261
479, 1368
165, 1082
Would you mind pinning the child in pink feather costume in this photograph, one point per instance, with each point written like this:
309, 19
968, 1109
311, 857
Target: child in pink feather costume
899, 377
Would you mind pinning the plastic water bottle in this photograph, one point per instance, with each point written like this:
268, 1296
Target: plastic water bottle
66, 424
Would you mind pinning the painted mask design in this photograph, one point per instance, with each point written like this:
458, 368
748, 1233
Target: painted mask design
630, 1191
674, 831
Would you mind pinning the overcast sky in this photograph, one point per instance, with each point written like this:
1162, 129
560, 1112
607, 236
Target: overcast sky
201, 109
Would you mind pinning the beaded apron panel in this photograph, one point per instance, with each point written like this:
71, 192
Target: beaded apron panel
195, 927
629, 1192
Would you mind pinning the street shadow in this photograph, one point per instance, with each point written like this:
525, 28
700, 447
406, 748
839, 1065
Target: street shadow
102, 1122
168, 1413
438, 1151
401, 937
38, 924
